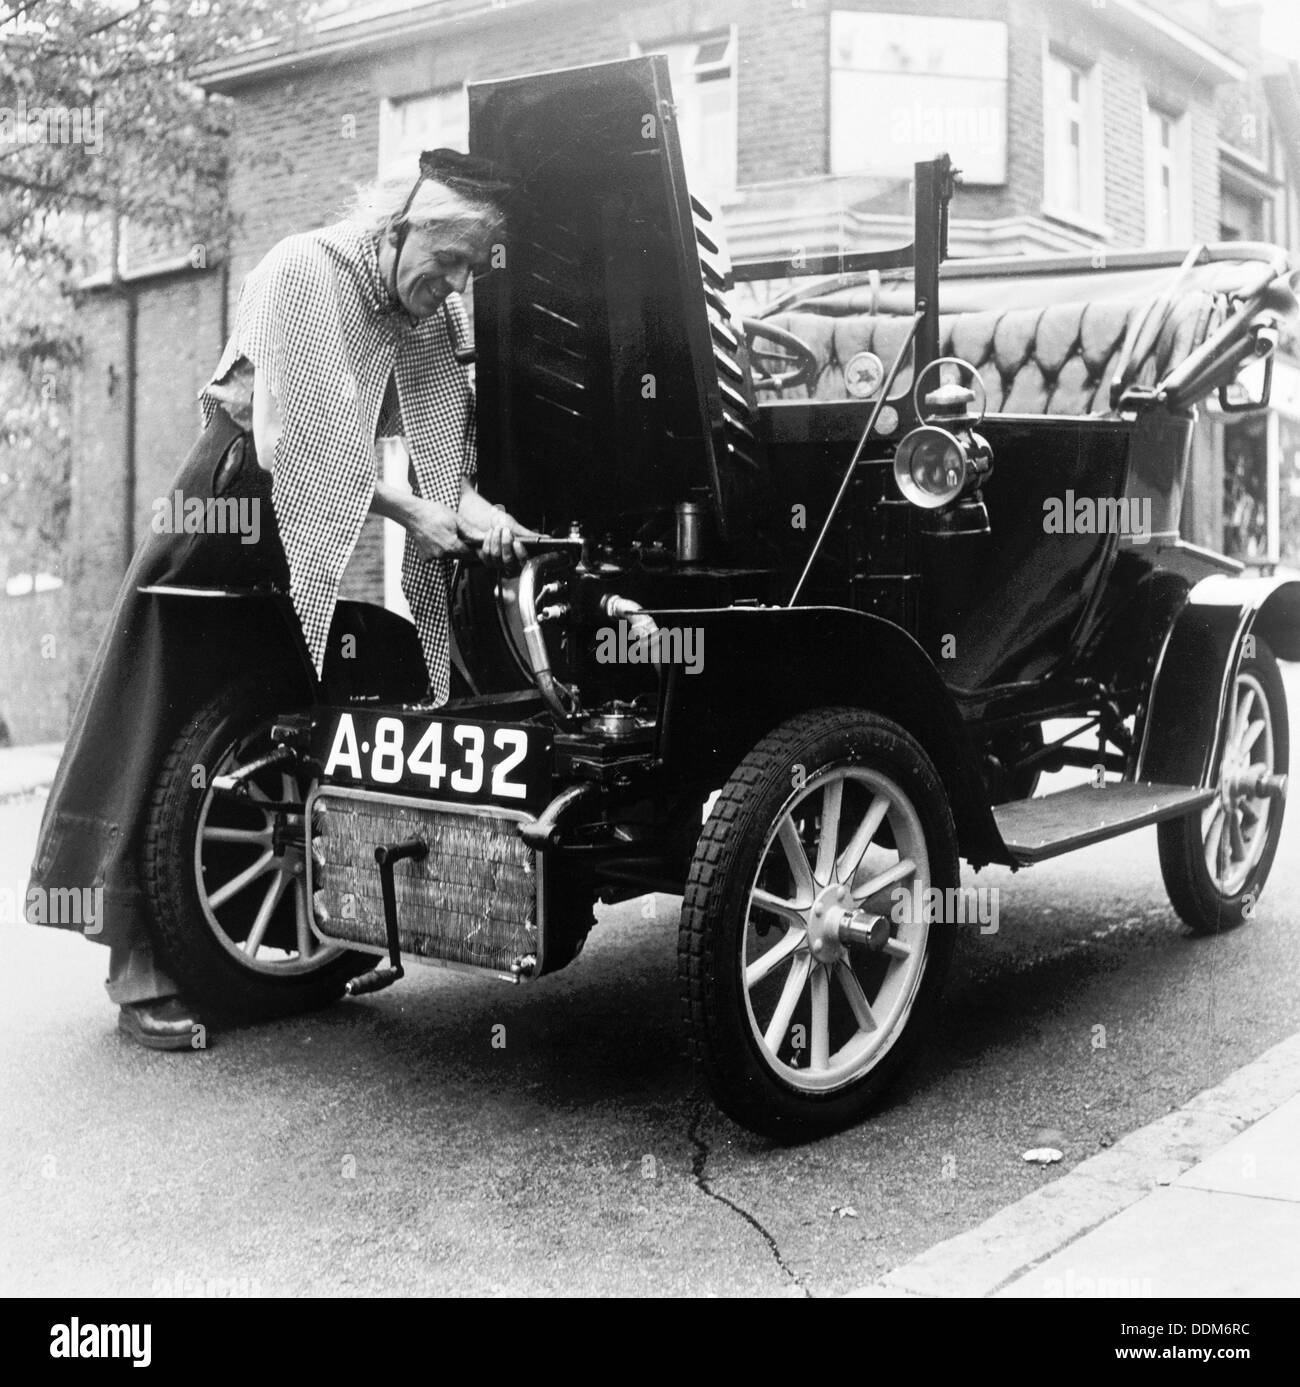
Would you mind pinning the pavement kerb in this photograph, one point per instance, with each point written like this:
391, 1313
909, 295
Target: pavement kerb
982, 1260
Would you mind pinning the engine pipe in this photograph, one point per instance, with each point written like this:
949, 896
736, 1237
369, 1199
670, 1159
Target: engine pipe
562, 700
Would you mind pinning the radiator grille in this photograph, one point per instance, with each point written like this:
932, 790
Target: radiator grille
472, 900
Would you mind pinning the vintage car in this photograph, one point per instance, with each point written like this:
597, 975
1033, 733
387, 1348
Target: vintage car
824, 593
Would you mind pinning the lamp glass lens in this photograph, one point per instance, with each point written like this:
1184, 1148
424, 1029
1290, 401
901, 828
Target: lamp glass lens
936, 465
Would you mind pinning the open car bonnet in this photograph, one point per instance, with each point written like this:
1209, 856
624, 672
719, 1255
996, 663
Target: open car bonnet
612, 380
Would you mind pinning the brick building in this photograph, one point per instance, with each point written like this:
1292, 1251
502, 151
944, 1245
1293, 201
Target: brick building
1079, 124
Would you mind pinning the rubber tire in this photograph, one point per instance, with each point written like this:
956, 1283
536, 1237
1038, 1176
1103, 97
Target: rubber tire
1195, 898
713, 914
209, 977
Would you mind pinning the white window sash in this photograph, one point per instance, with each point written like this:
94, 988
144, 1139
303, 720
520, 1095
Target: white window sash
1086, 203
710, 142
446, 124
1167, 222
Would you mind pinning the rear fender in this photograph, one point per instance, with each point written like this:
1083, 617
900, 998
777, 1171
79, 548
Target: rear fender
371, 653
758, 667
1184, 726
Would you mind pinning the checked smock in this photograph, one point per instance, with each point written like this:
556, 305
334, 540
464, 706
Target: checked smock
315, 318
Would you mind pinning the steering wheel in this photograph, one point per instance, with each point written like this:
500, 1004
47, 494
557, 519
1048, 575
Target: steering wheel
800, 357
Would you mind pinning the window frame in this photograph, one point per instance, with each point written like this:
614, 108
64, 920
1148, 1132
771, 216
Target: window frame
1090, 215
1181, 210
388, 106
637, 48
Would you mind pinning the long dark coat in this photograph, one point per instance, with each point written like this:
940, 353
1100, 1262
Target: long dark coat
159, 657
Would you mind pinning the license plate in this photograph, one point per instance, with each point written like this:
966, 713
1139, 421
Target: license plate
442, 758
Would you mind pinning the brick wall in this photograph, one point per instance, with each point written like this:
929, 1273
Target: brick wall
783, 91
1127, 74
96, 543
34, 660
179, 337
179, 331
1124, 125
304, 144
305, 140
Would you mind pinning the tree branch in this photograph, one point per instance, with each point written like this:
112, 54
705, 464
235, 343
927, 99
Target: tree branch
49, 189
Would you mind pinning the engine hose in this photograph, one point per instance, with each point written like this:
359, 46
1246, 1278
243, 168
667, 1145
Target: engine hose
562, 700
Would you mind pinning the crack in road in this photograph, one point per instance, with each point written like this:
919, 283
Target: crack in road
698, 1162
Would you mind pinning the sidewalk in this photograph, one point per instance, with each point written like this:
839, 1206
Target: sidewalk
24, 769
1203, 1202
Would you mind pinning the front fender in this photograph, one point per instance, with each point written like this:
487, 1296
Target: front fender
758, 667
1184, 724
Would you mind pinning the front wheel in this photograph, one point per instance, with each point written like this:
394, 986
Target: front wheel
809, 954
224, 873
1215, 862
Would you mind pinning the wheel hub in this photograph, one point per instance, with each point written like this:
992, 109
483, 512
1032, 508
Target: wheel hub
834, 922
1242, 779
824, 919
256, 903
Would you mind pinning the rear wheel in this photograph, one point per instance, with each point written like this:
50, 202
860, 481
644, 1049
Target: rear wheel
1215, 862
225, 873
809, 965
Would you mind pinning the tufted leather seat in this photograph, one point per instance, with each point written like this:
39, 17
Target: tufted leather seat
1057, 359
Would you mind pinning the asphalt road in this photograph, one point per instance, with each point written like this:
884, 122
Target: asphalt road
385, 1145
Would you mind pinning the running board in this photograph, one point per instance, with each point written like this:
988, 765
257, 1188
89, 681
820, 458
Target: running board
1035, 829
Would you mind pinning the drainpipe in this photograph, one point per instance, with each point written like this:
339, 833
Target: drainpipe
129, 461
129, 457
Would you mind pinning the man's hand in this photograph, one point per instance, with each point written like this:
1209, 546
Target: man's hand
498, 536
501, 542
433, 527
504, 547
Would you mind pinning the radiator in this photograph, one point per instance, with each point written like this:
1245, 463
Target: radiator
473, 901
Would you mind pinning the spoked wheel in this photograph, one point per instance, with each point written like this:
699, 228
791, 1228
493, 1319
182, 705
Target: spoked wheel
1215, 862
225, 872
809, 963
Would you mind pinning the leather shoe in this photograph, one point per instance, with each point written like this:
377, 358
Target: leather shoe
166, 1024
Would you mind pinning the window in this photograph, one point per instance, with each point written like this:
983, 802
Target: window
1243, 216
907, 87
439, 120
1168, 178
703, 73
1072, 171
